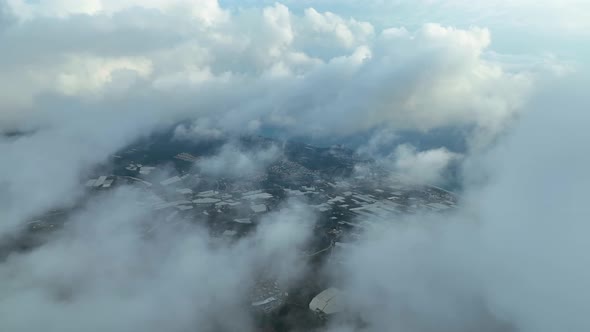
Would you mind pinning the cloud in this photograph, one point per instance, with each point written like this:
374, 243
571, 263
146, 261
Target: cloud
234, 161
199, 130
206, 12
102, 271
82, 80
509, 259
378, 144
43, 169
552, 19
405, 162
314, 73
283, 236
117, 71
422, 167
408, 275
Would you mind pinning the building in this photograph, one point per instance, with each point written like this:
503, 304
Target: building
184, 191
100, 181
327, 302
206, 200
259, 208
170, 181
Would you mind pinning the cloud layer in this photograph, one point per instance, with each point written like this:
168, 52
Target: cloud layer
81, 80
102, 271
510, 259
94, 77
310, 73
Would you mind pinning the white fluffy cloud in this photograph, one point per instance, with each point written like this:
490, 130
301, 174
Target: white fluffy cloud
207, 12
422, 167
314, 73
550, 18
234, 162
200, 130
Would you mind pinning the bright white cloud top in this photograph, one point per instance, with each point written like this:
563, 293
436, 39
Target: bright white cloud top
266, 65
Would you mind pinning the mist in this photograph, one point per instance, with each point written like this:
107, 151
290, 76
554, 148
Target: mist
510, 258
103, 270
